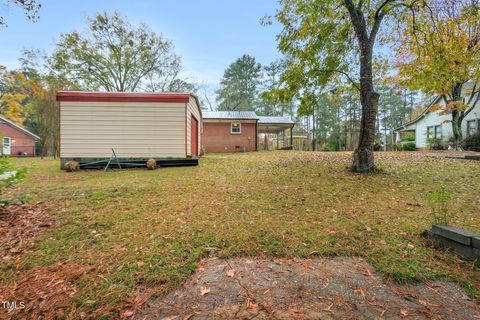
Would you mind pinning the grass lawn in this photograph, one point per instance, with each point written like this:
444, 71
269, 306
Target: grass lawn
141, 232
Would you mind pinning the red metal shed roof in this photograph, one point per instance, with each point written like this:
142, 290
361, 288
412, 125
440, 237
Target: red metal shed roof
124, 96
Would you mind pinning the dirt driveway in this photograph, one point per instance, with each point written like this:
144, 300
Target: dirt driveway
318, 288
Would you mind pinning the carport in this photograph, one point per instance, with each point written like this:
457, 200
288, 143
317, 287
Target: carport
275, 129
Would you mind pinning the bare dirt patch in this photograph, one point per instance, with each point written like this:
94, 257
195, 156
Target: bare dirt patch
317, 288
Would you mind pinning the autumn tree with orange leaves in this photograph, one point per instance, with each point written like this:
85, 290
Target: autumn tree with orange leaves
12, 95
439, 53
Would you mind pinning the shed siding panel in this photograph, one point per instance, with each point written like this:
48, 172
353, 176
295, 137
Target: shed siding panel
141, 130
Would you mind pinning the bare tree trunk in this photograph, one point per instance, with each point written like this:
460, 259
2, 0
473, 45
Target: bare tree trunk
314, 133
457, 117
457, 129
43, 148
363, 155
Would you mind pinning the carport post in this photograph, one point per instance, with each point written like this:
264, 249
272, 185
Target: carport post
291, 137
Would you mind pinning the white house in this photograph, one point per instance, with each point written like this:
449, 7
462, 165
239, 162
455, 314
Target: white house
430, 124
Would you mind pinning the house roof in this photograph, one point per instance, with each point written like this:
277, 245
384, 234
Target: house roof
16, 126
245, 115
125, 96
274, 120
233, 115
421, 115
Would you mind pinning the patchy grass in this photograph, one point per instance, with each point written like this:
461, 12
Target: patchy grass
140, 233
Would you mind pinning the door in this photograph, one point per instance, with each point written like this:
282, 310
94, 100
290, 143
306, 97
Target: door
194, 137
7, 146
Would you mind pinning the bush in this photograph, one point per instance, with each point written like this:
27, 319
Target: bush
472, 142
9, 174
439, 206
408, 138
436, 144
328, 147
409, 146
377, 145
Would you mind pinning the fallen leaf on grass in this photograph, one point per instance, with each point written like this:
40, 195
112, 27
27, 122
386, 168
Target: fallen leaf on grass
127, 314
204, 291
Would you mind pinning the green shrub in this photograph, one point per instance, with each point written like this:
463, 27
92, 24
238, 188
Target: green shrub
408, 138
409, 146
439, 206
377, 146
328, 147
472, 142
8, 174
436, 144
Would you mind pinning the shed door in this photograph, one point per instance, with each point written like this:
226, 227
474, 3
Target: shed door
194, 137
7, 146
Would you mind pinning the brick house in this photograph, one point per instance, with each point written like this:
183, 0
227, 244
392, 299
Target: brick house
229, 131
16, 141
238, 131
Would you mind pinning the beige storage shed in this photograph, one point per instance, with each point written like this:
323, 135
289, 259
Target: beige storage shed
135, 125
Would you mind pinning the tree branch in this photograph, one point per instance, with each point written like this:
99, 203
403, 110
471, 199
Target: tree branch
379, 15
358, 20
356, 85
473, 92
473, 105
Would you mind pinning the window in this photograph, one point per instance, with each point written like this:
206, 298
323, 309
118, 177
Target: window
438, 132
429, 132
235, 128
471, 127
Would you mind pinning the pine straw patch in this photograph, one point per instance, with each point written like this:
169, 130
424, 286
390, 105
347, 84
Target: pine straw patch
20, 226
47, 292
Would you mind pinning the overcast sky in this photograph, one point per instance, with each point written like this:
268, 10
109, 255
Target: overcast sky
207, 34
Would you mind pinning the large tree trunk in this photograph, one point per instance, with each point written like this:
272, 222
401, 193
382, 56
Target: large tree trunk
363, 155
457, 130
457, 117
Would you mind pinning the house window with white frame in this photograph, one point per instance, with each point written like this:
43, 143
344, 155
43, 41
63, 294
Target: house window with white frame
430, 132
235, 128
472, 127
438, 132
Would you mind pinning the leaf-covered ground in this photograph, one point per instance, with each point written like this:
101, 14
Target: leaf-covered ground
311, 288
123, 237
